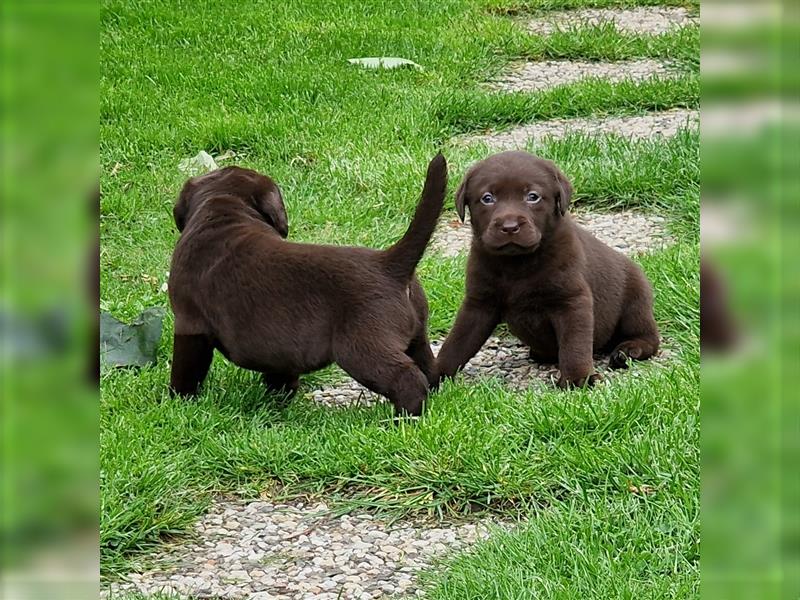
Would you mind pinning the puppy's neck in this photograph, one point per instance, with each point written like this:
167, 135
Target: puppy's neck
229, 209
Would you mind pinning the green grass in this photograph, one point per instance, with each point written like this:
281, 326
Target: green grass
605, 42
584, 548
464, 110
348, 148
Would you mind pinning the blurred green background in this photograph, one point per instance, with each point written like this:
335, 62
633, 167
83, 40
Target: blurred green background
750, 121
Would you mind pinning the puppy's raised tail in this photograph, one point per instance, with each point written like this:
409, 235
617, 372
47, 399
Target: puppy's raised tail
402, 258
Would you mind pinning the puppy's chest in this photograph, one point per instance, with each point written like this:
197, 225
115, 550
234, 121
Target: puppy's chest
522, 309
528, 310
530, 296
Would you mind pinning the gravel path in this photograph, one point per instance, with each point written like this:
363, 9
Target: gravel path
265, 551
666, 123
536, 76
647, 20
506, 358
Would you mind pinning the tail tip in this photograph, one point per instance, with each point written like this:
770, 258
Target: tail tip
437, 170
438, 162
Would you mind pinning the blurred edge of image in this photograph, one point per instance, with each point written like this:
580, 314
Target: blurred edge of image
48, 302
750, 121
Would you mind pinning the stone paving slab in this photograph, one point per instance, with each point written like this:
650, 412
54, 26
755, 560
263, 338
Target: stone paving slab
645, 20
658, 124
268, 551
542, 75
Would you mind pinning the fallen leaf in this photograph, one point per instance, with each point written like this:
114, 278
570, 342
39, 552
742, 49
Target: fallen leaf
641, 490
383, 62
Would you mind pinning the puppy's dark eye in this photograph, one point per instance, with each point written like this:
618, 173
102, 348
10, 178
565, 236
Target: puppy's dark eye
487, 199
533, 198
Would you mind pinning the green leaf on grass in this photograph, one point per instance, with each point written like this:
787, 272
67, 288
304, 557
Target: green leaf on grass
131, 345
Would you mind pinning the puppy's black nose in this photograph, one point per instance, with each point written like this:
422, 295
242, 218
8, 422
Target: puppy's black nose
510, 227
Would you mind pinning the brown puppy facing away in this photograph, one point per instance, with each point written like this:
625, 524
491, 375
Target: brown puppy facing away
560, 290
285, 308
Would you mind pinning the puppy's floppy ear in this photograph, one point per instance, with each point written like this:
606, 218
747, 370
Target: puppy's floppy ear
180, 212
564, 192
269, 204
461, 196
188, 198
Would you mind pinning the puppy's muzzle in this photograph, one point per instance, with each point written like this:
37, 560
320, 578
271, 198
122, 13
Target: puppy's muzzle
508, 226
511, 234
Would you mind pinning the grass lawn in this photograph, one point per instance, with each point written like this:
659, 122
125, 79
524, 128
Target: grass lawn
270, 82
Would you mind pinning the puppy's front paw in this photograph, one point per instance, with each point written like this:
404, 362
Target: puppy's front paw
407, 412
569, 383
434, 379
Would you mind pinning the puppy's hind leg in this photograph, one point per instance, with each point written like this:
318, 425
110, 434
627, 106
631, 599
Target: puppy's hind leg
389, 373
419, 350
637, 333
191, 359
641, 347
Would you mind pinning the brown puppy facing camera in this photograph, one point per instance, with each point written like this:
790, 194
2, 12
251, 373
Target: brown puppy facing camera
283, 308
560, 290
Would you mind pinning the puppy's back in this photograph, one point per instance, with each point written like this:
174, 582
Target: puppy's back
612, 277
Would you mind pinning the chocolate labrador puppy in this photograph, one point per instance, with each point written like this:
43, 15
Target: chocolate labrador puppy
284, 308
560, 290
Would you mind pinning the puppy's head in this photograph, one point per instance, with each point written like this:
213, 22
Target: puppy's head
515, 200
256, 190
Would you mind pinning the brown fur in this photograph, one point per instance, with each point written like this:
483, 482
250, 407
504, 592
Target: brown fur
283, 308
560, 290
